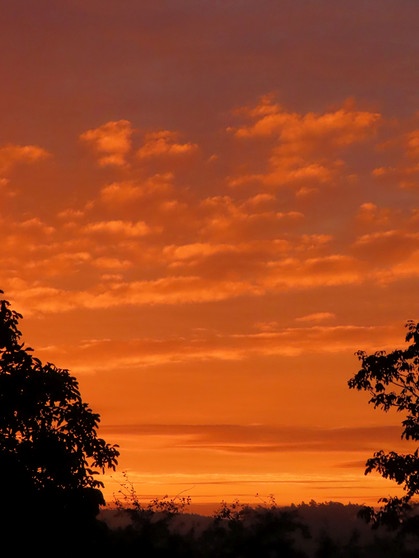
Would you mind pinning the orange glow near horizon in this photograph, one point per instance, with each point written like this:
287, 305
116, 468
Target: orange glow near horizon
206, 209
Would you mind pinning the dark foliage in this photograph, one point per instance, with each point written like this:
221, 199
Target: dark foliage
392, 380
50, 452
329, 530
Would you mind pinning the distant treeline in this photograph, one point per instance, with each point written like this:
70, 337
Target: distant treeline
312, 530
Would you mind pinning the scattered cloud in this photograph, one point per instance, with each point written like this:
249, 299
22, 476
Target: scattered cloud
316, 317
13, 155
192, 250
198, 250
111, 142
111, 263
119, 227
305, 150
164, 143
413, 144
233, 438
307, 132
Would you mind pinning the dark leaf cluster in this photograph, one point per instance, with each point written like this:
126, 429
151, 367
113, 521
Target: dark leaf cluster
50, 451
392, 380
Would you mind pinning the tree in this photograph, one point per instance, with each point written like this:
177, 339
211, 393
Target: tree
50, 452
392, 380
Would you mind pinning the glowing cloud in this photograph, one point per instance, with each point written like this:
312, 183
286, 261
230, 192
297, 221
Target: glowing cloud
304, 132
12, 155
111, 141
316, 317
118, 227
304, 148
164, 143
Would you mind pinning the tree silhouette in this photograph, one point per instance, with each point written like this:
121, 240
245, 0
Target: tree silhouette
50, 452
392, 380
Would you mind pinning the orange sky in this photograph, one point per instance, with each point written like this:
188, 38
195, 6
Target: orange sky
206, 208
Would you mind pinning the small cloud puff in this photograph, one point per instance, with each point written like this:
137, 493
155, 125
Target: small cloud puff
125, 193
304, 131
316, 317
111, 141
12, 155
118, 227
413, 143
164, 143
370, 214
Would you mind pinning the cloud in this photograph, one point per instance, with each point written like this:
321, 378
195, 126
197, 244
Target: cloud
324, 271
152, 239
70, 215
304, 150
400, 162
386, 248
166, 290
119, 228
111, 142
13, 155
222, 217
121, 193
195, 273
255, 259
316, 317
412, 142
158, 187
371, 214
252, 439
295, 341
147, 351
198, 250
259, 200
405, 269
182, 289
35, 225
164, 143
111, 263
289, 172
300, 133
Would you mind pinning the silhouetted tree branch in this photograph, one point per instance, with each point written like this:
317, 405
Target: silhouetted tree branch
50, 452
392, 380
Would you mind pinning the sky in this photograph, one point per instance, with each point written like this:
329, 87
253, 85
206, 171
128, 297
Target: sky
207, 207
